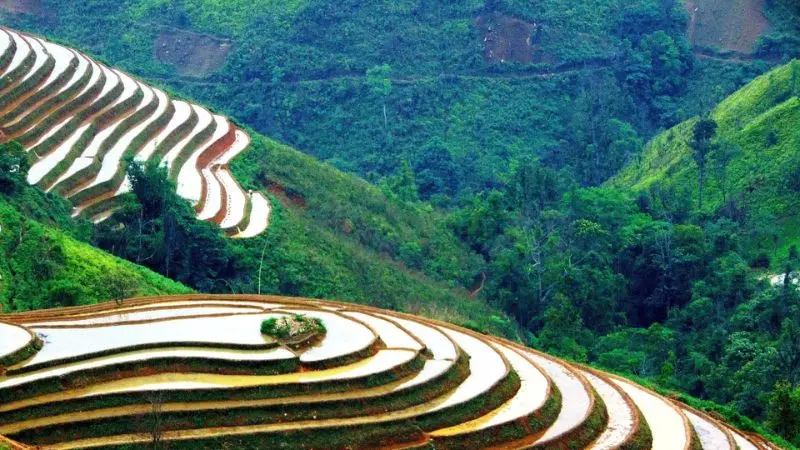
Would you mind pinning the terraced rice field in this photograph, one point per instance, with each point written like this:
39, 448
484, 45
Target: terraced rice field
79, 120
196, 372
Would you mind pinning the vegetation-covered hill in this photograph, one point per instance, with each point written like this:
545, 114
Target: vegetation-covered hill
45, 260
753, 169
642, 276
639, 277
456, 90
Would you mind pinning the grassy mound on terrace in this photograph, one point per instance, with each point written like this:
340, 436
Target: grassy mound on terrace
754, 170
45, 261
292, 327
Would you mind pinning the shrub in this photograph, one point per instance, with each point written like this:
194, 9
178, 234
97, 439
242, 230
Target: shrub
292, 326
760, 261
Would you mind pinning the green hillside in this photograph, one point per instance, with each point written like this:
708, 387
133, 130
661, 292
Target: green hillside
459, 91
43, 265
330, 236
512, 193
754, 167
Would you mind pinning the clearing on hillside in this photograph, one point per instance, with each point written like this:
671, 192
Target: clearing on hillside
508, 39
726, 25
192, 54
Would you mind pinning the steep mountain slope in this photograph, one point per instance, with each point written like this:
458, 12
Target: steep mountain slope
42, 266
80, 121
335, 235
367, 86
754, 170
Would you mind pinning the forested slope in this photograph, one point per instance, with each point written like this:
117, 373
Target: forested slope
752, 170
641, 277
459, 91
45, 260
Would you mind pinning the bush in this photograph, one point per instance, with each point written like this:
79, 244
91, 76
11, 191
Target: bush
760, 261
293, 326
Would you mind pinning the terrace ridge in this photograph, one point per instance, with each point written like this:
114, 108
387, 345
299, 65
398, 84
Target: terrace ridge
59, 114
379, 379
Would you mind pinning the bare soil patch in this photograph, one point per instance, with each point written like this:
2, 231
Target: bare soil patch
508, 39
193, 54
287, 196
726, 25
22, 6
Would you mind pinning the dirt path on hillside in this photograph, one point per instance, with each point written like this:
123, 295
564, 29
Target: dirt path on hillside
564, 69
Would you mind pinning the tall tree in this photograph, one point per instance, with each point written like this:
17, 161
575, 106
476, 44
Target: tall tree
13, 166
380, 85
702, 135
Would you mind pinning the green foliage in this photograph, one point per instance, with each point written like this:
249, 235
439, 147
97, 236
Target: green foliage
784, 411
379, 80
292, 326
13, 167
157, 228
407, 81
44, 263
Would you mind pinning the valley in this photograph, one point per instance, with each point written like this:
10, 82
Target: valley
545, 225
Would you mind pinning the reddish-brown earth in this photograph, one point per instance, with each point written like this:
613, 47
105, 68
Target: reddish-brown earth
508, 39
193, 54
726, 25
21, 6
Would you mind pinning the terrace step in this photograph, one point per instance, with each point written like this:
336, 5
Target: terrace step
22, 416
24, 57
259, 216
7, 50
183, 149
42, 67
70, 344
117, 116
43, 140
480, 353
669, 427
517, 416
427, 375
741, 441
212, 191
75, 117
578, 402
438, 343
377, 398
149, 314
390, 333
17, 344
111, 174
623, 417
56, 106
67, 64
429, 385
711, 435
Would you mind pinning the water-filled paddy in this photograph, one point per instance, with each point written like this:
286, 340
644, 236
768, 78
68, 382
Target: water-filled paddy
12, 338
529, 398
666, 423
